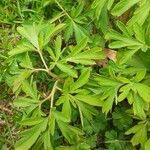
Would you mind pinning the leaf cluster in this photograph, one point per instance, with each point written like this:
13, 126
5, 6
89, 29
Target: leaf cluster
76, 73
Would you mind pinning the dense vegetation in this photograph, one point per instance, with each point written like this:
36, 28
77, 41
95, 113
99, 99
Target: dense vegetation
75, 74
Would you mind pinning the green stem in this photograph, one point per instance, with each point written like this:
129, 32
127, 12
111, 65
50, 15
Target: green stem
52, 94
39, 69
41, 56
46, 67
59, 88
63, 10
81, 116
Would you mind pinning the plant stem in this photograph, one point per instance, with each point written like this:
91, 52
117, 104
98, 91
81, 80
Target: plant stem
58, 88
46, 67
41, 56
81, 117
39, 69
52, 98
64, 10
53, 93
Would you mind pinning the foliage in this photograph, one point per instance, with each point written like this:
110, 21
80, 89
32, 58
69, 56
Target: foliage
75, 74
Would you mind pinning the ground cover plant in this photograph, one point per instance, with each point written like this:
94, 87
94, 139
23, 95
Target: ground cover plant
74, 75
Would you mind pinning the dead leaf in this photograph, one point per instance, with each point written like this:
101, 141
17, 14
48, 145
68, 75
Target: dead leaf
111, 54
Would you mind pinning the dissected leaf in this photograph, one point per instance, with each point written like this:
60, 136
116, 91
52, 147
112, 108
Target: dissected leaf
142, 12
31, 121
30, 32
30, 136
123, 6
26, 62
92, 100
138, 107
24, 102
21, 48
140, 134
83, 79
67, 69
24, 75
47, 142
27, 88
67, 129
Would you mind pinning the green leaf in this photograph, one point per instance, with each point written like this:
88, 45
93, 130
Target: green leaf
27, 88
28, 141
108, 101
112, 135
51, 124
80, 32
31, 121
80, 146
140, 134
123, 28
26, 62
30, 32
123, 41
138, 107
86, 111
130, 98
47, 31
121, 119
72, 134
67, 69
144, 91
147, 145
139, 33
124, 92
95, 53
110, 3
30, 136
142, 12
21, 48
60, 116
123, 6
125, 55
98, 6
140, 75
66, 148
87, 56
68, 31
89, 99
51, 53
103, 21
105, 81
77, 10
58, 44
24, 102
81, 61
47, 142
66, 108
44, 34
79, 47
66, 87
39, 35
83, 79
57, 29
23, 75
